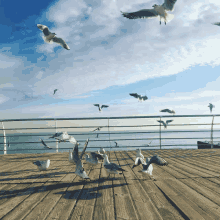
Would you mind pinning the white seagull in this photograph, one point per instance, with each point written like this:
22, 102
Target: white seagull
50, 37
148, 168
97, 129
42, 165
139, 97
111, 168
66, 137
168, 110
102, 151
165, 124
159, 10
74, 155
211, 106
138, 161
100, 107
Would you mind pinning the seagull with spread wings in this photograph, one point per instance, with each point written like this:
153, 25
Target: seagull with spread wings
50, 37
165, 123
159, 10
139, 97
55, 91
101, 106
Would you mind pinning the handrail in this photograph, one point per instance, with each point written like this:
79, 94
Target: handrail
148, 129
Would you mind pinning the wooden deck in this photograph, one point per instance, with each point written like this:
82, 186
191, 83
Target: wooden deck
188, 188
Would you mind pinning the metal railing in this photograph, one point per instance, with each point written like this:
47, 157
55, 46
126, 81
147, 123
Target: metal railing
115, 129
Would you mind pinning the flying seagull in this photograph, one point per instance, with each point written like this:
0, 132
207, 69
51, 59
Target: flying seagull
97, 129
116, 144
211, 106
55, 91
139, 97
56, 135
100, 108
50, 37
165, 124
8, 144
217, 23
159, 10
102, 151
63, 137
46, 146
42, 165
168, 110
111, 167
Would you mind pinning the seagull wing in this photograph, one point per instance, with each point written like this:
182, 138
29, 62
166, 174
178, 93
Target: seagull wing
55, 91
96, 105
169, 4
217, 23
72, 140
134, 95
168, 121
145, 13
44, 28
61, 42
84, 149
144, 97
38, 163
104, 106
164, 124
76, 153
95, 155
158, 160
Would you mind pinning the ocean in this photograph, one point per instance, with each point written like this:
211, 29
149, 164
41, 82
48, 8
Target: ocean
30, 143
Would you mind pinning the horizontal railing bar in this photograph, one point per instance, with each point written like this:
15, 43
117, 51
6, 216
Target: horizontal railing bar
122, 139
101, 118
124, 126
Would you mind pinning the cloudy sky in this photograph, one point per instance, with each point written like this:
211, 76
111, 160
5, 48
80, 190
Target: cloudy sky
176, 65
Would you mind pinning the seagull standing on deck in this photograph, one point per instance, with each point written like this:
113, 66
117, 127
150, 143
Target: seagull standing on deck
50, 37
211, 106
100, 107
111, 168
92, 159
165, 124
42, 165
159, 10
139, 97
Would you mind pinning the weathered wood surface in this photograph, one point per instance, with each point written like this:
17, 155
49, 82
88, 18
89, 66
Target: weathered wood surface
188, 188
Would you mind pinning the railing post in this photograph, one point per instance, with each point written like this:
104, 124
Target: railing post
56, 139
212, 132
109, 140
5, 146
160, 134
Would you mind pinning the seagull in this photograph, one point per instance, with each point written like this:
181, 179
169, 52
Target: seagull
8, 144
55, 91
74, 156
97, 129
211, 106
168, 110
111, 167
159, 10
116, 144
46, 146
66, 137
48, 36
165, 124
100, 108
139, 97
42, 165
93, 158
148, 167
79, 166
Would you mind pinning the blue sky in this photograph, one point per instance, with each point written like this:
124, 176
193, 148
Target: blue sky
176, 65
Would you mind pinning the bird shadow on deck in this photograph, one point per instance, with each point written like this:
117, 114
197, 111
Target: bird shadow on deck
29, 190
